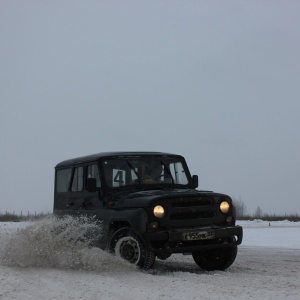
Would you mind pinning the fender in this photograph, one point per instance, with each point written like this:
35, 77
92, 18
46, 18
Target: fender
137, 218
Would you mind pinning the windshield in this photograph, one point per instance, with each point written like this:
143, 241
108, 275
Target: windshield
144, 171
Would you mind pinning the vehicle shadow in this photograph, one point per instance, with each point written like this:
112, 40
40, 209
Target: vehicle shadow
186, 264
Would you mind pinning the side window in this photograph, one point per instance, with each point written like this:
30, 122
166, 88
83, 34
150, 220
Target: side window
93, 172
77, 183
178, 173
63, 180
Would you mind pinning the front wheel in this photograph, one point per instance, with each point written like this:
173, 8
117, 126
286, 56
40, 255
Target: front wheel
130, 246
215, 259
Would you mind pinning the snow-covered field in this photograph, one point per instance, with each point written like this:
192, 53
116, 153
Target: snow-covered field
33, 265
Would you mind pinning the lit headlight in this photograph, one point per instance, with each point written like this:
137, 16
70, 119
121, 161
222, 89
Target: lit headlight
224, 207
158, 211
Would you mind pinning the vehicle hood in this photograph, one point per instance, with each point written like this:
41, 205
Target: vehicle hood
147, 197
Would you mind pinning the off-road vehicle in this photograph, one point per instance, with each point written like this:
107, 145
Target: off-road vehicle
149, 207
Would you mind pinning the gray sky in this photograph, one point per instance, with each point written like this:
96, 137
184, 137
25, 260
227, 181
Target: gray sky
215, 81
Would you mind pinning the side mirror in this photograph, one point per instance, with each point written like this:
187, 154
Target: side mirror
195, 181
91, 185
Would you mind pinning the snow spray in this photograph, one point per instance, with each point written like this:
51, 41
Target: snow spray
57, 243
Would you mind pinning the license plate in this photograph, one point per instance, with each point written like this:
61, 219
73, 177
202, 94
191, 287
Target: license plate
198, 235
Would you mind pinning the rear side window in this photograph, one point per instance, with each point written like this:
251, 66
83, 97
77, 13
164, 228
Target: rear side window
77, 183
93, 172
63, 180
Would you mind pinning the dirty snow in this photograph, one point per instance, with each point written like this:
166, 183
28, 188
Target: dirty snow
35, 264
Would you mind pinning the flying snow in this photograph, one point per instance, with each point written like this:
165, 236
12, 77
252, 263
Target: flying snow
57, 243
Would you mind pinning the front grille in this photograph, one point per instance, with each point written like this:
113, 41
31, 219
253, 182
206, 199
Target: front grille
189, 211
192, 215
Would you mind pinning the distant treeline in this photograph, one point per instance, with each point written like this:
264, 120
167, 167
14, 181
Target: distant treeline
272, 217
12, 217
242, 213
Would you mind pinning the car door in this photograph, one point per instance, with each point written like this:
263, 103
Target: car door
92, 202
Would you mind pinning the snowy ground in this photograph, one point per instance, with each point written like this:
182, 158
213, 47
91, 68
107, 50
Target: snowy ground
267, 267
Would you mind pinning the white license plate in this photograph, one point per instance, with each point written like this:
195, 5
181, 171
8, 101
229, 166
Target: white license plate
198, 235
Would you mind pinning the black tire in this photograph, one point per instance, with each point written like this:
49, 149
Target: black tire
130, 246
215, 259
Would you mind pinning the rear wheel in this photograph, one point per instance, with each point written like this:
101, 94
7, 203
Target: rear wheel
130, 246
215, 259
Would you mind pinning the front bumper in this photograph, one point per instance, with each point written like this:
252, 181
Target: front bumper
174, 241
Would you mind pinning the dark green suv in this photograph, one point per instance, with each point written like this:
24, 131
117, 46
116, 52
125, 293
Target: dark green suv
149, 207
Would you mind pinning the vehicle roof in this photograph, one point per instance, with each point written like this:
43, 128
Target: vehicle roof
120, 154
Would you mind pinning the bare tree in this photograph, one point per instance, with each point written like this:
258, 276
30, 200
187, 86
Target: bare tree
258, 213
240, 207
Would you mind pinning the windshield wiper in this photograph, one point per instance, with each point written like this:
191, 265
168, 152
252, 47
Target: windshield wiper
168, 171
135, 172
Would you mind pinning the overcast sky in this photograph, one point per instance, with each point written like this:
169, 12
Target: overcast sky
215, 81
